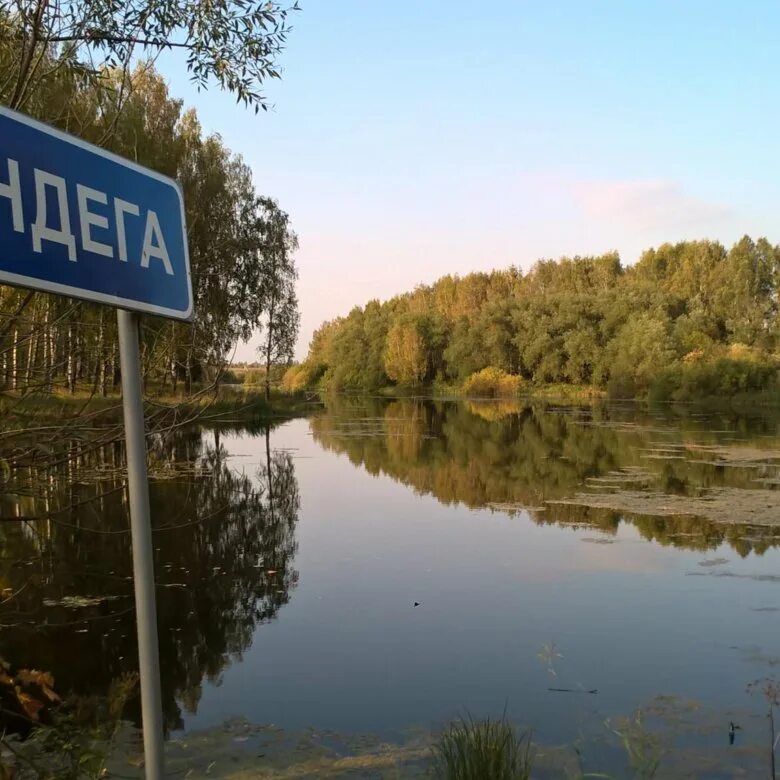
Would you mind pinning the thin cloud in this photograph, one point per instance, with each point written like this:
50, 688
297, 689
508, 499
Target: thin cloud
648, 206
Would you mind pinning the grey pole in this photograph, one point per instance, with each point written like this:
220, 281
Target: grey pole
141, 531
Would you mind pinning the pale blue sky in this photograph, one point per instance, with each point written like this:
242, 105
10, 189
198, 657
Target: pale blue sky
413, 139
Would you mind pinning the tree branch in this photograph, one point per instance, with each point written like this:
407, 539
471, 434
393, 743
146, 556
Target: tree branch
94, 37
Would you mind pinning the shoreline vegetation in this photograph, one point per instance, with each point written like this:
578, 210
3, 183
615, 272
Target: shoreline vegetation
234, 401
652, 741
228, 405
686, 322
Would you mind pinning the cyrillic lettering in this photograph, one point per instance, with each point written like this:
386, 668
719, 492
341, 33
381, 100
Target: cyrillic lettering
157, 249
13, 190
122, 207
40, 230
89, 218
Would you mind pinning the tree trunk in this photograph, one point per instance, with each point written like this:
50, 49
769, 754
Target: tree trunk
269, 350
33, 338
13, 359
172, 364
188, 374
268, 376
71, 363
12, 325
80, 355
112, 366
48, 349
188, 367
102, 357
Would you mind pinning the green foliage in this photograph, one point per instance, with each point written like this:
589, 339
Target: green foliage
230, 377
232, 44
578, 321
279, 304
254, 377
621, 385
407, 351
696, 380
240, 244
479, 749
492, 382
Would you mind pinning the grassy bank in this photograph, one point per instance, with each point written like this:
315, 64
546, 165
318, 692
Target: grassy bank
228, 405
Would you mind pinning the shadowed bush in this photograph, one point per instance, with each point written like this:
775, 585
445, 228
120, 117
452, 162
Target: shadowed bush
482, 749
724, 377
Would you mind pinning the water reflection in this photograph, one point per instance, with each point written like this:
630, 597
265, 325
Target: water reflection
225, 543
352, 653
508, 456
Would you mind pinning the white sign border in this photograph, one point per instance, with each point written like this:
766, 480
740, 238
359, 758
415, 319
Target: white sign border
18, 280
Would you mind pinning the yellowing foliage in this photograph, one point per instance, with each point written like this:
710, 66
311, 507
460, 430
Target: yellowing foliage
492, 382
295, 379
744, 352
405, 354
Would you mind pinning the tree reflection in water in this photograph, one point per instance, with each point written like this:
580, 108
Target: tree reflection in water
224, 551
510, 455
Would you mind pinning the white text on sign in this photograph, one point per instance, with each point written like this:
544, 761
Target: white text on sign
94, 214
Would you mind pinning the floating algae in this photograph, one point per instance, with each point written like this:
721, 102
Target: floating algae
621, 477
724, 505
708, 562
737, 455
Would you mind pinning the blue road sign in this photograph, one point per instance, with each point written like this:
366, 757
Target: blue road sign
80, 221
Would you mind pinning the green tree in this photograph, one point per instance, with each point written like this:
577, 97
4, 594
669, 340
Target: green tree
278, 274
406, 355
232, 44
578, 320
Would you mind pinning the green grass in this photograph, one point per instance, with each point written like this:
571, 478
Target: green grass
480, 749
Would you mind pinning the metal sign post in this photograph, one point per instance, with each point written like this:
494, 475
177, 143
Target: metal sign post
79, 221
143, 554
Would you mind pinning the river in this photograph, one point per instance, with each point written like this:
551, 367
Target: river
606, 577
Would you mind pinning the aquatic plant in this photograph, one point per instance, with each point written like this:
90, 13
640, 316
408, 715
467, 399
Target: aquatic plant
476, 749
548, 655
643, 749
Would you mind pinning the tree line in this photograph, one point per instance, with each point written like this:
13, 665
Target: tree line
687, 318
56, 68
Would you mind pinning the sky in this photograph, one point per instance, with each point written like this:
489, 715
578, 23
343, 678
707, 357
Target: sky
408, 140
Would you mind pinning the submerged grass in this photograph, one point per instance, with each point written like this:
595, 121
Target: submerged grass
476, 749
643, 749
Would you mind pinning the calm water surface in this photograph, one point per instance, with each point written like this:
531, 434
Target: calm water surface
289, 566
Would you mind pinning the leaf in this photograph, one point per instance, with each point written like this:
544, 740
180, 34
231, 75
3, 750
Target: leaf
43, 680
30, 705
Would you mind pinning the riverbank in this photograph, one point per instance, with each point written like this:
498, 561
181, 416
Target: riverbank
582, 395
230, 404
